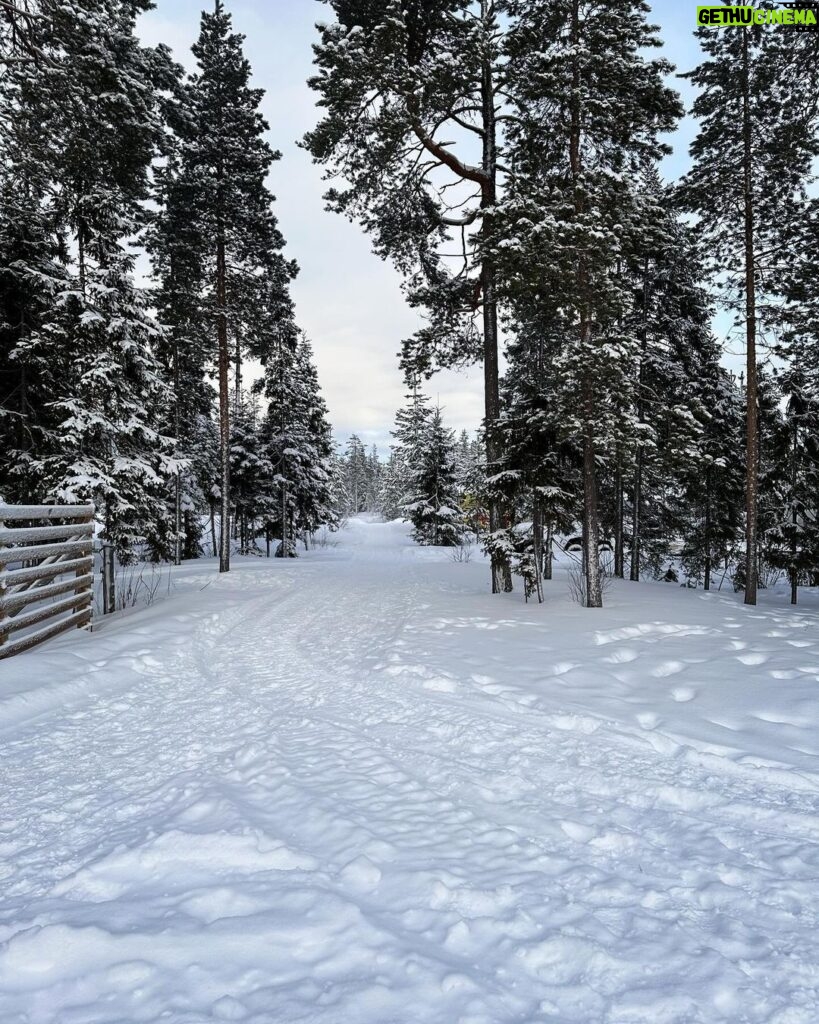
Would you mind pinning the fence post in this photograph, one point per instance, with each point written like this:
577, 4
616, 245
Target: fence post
109, 597
80, 572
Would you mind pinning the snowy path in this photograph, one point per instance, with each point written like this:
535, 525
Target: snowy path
356, 789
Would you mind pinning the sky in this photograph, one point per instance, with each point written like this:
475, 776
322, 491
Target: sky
347, 300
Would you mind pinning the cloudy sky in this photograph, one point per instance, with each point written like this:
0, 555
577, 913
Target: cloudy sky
347, 300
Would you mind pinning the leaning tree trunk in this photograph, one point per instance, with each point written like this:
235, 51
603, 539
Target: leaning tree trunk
751, 413
224, 401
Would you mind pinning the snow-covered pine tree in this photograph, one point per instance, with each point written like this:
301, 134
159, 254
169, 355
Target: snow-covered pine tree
86, 116
375, 470
250, 470
470, 470
671, 315
540, 477
712, 481
314, 484
356, 475
299, 447
224, 160
186, 348
432, 501
394, 486
792, 540
752, 156
397, 83
411, 424
799, 347
590, 107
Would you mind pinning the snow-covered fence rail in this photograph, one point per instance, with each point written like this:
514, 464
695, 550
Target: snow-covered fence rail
40, 545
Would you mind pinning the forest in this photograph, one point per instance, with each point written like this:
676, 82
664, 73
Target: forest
504, 156
335, 692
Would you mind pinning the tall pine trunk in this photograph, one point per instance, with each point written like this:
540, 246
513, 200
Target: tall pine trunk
619, 554
707, 537
636, 524
177, 496
537, 545
751, 415
591, 524
224, 402
794, 573
501, 570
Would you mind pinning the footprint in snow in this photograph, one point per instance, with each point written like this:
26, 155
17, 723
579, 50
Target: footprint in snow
753, 658
667, 668
577, 831
682, 694
622, 657
361, 875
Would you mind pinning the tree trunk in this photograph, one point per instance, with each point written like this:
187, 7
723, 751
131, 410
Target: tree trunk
591, 524
619, 554
752, 425
537, 546
547, 551
794, 516
177, 497
636, 540
284, 521
501, 570
634, 575
707, 537
214, 544
237, 375
224, 402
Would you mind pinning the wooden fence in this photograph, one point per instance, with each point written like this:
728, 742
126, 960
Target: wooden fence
38, 592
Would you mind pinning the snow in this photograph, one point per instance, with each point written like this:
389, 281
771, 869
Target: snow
357, 789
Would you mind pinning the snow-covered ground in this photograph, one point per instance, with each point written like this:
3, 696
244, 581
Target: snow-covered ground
357, 789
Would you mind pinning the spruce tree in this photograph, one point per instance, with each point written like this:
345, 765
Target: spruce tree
432, 504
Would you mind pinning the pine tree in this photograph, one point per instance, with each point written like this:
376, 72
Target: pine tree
432, 507
752, 157
590, 109
435, 69
792, 539
356, 473
250, 470
224, 163
299, 447
84, 126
